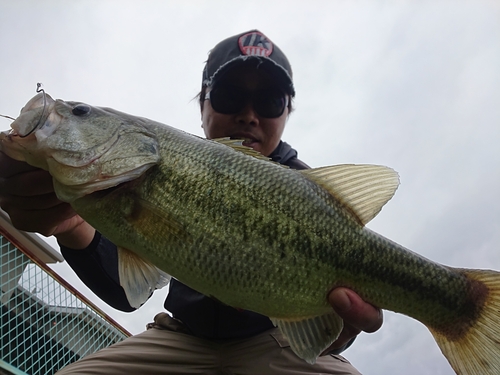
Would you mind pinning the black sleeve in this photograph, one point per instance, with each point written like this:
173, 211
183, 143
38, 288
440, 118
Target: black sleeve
97, 267
295, 163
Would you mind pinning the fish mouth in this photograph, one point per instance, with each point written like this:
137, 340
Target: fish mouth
33, 115
38, 100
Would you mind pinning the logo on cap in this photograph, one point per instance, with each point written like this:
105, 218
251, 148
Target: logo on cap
255, 44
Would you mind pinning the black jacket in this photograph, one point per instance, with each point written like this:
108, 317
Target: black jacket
97, 267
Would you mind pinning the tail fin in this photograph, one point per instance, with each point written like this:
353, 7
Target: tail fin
478, 351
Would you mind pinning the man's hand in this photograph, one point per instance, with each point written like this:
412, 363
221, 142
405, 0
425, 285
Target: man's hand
357, 315
27, 195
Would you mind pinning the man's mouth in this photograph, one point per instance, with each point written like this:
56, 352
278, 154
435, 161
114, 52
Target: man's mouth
247, 139
249, 142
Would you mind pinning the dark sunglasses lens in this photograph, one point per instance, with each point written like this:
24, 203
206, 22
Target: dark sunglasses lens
270, 103
227, 100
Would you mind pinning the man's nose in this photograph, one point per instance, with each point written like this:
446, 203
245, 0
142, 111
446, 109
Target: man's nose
248, 115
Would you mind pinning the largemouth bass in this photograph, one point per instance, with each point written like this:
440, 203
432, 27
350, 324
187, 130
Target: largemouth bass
251, 233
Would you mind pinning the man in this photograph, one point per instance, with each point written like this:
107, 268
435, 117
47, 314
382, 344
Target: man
246, 94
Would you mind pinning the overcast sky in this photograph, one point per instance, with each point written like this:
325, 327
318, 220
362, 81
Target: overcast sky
414, 85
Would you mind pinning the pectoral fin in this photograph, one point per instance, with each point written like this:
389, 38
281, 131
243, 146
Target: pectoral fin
138, 277
310, 337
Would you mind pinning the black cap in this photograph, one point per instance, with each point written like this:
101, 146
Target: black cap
249, 46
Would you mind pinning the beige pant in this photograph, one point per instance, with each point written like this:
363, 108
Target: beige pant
165, 348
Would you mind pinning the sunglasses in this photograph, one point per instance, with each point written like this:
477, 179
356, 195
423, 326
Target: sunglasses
229, 100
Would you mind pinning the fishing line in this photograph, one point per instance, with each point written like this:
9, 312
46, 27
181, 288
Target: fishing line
11, 118
38, 89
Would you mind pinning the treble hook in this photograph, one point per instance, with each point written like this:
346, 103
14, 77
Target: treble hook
38, 89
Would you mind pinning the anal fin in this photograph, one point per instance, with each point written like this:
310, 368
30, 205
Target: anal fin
308, 338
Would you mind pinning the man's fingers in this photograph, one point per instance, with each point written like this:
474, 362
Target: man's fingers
34, 182
355, 312
10, 167
29, 203
357, 315
41, 221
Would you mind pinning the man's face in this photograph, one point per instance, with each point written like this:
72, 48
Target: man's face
260, 133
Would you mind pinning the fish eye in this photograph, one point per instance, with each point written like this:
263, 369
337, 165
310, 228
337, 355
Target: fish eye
80, 109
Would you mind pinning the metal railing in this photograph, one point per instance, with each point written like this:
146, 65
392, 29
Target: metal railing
45, 324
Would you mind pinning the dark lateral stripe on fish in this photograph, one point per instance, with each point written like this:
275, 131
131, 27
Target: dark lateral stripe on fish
458, 311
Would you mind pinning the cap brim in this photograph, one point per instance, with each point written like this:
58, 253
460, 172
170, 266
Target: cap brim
260, 62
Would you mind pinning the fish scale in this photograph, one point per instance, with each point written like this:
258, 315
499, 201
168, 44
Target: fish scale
266, 230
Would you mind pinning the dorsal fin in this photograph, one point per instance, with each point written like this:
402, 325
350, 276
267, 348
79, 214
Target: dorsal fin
237, 144
363, 188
